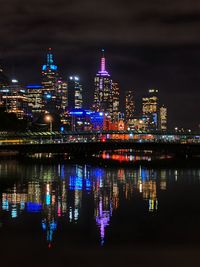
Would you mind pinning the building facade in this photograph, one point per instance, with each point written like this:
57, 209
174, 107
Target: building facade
50, 78
74, 96
103, 89
163, 119
115, 101
129, 105
150, 109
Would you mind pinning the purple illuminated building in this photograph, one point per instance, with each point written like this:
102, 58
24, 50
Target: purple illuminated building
103, 89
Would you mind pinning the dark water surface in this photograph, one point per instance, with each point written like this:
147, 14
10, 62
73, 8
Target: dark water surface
79, 215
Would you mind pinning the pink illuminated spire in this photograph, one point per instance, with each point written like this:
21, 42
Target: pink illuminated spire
103, 61
103, 71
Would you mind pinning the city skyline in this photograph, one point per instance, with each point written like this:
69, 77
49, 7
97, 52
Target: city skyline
148, 44
100, 133
62, 98
175, 120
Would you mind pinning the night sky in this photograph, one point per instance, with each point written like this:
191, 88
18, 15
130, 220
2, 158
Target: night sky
148, 43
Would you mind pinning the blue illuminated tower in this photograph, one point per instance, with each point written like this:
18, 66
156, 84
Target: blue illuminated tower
49, 82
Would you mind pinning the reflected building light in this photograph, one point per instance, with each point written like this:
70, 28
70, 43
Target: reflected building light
75, 183
50, 228
87, 184
5, 205
70, 214
153, 205
176, 175
102, 220
48, 199
33, 207
76, 214
48, 196
59, 209
140, 187
14, 211
163, 180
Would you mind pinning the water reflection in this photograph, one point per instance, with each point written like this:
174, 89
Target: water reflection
57, 192
130, 155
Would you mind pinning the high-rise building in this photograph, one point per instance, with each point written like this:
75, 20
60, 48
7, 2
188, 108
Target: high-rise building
74, 89
103, 89
35, 94
4, 82
49, 82
150, 109
14, 99
129, 105
61, 97
163, 118
115, 101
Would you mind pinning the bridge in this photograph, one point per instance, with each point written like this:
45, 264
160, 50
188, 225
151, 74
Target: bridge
91, 142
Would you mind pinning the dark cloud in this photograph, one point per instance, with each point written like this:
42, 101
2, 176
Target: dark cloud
149, 44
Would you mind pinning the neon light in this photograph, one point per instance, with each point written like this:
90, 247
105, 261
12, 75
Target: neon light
34, 207
33, 86
76, 113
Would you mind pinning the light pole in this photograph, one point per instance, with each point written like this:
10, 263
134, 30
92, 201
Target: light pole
49, 119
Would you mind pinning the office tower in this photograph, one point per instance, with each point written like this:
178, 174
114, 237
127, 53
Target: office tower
163, 118
115, 101
61, 97
4, 82
129, 105
49, 82
35, 96
150, 109
75, 99
14, 99
103, 89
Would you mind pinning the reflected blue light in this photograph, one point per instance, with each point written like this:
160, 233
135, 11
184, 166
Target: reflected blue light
48, 96
88, 184
33, 207
5, 205
14, 212
48, 199
44, 227
75, 183
98, 172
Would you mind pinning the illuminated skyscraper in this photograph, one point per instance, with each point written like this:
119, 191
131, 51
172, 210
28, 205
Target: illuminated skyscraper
75, 99
103, 89
150, 109
4, 82
49, 83
115, 101
129, 105
34, 94
61, 97
163, 118
14, 99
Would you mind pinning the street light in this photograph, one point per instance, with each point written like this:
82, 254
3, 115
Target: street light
49, 119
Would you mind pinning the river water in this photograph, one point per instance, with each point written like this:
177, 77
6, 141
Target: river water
64, 214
